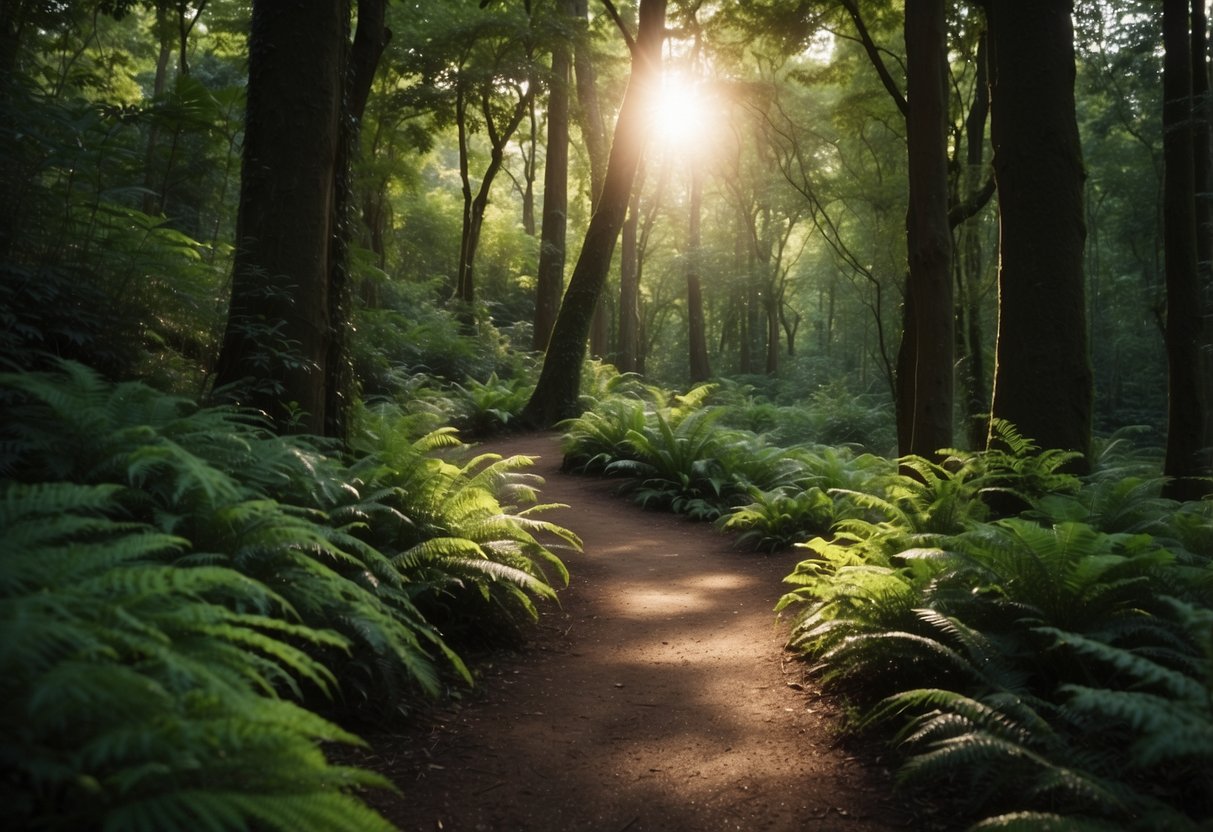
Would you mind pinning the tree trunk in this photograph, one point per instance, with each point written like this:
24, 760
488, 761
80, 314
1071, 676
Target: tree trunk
276, 345
770, 307
600, 328
629, 287
593, 127
1187, 458
924, 361
1042, 373
474, 207
972, 267
370, 39
556, 394
528, 169
165, 36
697, 338
550, 280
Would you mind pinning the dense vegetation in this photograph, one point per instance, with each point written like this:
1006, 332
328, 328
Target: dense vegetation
1039, 646
205, 581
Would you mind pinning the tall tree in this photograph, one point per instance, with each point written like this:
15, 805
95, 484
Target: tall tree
1188, 452
1042, 373
283, 349
556, 393
970, 260
276, 344
370, 40
924, 360
550, 276
597, 144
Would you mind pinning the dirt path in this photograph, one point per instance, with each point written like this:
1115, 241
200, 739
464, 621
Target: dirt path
655, 698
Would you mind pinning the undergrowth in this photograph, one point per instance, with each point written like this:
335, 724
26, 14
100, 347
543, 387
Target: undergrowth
1038, 646
183, 592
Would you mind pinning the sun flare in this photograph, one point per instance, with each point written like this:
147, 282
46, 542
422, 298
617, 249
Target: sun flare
679, 113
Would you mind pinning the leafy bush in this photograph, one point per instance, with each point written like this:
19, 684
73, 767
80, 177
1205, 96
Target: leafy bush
483, 408
776, 519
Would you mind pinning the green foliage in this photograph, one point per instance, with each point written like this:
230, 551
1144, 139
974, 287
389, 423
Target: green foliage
486, 407
673, 453
777, 519
1068, 659
185, 569
464, 546
139, 695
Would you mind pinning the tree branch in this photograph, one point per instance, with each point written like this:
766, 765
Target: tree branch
869, 46
623, 29
961, 211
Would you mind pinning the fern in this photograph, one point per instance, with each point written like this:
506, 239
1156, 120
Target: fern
125, 677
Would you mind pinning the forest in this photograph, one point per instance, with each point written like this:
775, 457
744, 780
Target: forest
921, 290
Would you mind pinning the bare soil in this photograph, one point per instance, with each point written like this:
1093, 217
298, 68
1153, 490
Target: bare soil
656, 696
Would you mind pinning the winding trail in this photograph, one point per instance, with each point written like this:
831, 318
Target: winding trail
656, 697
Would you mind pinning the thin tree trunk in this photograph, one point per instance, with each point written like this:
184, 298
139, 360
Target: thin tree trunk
370, 40
152, 197
696, 328
473, 215
556, 394
593, 126
770, 308
972, 267
528, 171
924, 362
629, 286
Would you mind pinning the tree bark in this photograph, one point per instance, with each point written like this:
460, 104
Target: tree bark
276, 345
972, 266
550, 278
556, 394
924, 360
1042, 373
370, 39
1187, 456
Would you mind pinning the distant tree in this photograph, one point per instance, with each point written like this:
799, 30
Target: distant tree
488, 66
700, 369
1042, 373
556, 394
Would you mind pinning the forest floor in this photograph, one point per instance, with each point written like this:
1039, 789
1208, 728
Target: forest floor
655, 696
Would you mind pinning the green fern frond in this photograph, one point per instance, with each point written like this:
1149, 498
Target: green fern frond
1139, 670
